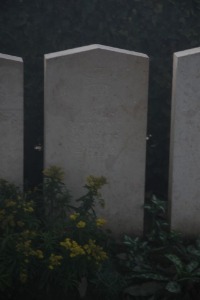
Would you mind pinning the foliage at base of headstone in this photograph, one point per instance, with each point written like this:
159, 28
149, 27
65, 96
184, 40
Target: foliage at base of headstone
53, 253
162, 265
50, 248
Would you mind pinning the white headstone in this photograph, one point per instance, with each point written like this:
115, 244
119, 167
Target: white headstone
11, 119
95, 124
184, 181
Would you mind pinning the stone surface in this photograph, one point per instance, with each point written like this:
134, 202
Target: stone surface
11, 118
184, 179
95, 124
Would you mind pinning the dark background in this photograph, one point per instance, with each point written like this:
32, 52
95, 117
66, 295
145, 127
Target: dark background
30, 29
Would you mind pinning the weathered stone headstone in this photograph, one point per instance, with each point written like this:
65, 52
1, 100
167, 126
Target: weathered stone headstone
184, 179
95, 124
11, 118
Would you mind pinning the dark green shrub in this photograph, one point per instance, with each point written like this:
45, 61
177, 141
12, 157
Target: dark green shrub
162, 265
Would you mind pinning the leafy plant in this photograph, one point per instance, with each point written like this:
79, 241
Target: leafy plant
55, 253
162, 265
52, 248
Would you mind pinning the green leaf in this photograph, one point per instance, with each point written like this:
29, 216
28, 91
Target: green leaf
192, 250
192, 266
153, 276
144, 289
173, 287
176, 261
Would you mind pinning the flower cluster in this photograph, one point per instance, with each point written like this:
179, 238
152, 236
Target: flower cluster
54, 261
73, 246
74, 216
91, 249
25, 249
95, 251
81, 224
24, 246
14, 211
19, 203
55, 173
95, 183
100, 222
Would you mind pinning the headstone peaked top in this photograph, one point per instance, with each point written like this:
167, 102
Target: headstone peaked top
95, 124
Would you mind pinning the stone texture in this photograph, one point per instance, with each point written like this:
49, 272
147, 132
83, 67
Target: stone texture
11, 118
184, 179
95, 124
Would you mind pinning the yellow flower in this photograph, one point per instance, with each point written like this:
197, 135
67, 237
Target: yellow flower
28, 209
74, 248
67, 243
39, 254
81, 224
25, 247
55, 260
100, 222
96, 183
86, 247
74, 216
54, 172
94, 251
76, 251
10, 203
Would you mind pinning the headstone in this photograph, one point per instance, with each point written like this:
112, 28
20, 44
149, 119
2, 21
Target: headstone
11, 118
95, 124
184, 181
